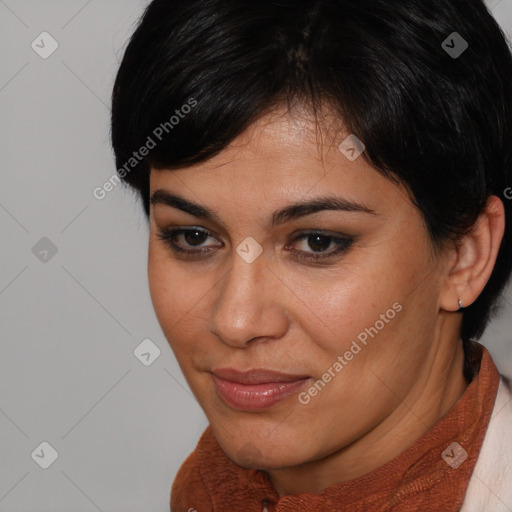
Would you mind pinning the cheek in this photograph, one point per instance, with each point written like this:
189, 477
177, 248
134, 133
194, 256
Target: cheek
383, 344
161, 287
170, 293
180, 297
369, 315
345, 304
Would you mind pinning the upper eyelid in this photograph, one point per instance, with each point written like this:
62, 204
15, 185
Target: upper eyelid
336, 237
300, 232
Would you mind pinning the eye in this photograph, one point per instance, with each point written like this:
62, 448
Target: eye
193, 237
189, 243
320, 243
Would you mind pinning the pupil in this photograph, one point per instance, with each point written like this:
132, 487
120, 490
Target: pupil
322, 246
190, 237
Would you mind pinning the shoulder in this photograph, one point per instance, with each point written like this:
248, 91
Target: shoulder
490, 486
189, 492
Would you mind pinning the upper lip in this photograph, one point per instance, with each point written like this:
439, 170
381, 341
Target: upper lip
255, 376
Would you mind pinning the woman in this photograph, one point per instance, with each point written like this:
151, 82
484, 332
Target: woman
329, 236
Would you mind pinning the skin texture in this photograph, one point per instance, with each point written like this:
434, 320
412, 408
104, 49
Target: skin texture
297, 317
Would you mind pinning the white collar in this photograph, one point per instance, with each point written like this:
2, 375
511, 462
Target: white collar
490, 485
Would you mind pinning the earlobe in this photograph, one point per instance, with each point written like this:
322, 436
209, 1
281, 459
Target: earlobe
475, 257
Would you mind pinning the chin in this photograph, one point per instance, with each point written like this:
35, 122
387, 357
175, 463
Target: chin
250, 457
252, 452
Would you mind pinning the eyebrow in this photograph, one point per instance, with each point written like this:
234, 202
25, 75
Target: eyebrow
288, 213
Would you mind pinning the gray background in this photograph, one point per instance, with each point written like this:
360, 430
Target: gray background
71, 321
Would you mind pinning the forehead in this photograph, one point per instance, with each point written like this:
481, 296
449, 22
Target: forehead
280, 158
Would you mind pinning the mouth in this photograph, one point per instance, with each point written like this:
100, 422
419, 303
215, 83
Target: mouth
256, 389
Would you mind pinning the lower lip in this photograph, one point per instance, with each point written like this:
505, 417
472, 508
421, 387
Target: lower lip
255, 397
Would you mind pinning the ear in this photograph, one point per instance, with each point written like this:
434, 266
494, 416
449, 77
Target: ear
473, 259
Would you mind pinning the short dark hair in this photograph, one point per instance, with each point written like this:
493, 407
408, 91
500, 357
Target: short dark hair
435, 120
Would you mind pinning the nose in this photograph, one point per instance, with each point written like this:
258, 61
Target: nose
250, 303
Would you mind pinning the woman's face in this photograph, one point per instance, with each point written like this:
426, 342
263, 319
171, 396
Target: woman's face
359, 321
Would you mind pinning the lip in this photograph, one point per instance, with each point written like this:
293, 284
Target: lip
256, 376
255, 389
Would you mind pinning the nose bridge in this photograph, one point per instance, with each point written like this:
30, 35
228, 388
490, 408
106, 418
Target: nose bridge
246, 305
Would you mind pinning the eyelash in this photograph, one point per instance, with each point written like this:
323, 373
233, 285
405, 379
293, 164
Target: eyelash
168, 236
